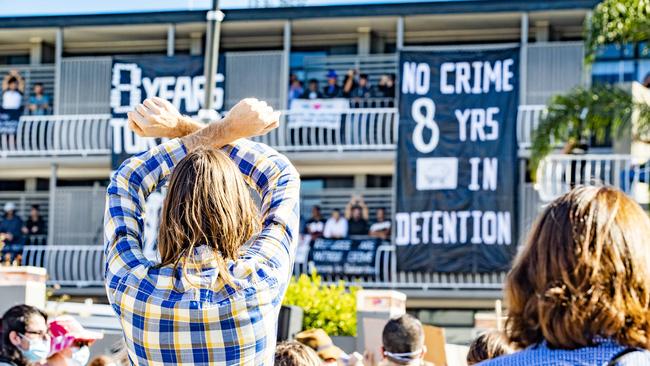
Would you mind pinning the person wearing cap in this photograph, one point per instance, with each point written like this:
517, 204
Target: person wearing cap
11, 226
70, 342
332, 89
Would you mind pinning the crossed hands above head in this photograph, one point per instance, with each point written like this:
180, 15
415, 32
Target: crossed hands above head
157, 117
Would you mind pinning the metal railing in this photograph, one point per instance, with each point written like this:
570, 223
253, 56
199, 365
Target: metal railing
58, 135
387, 276
528, 119
557, 174
360, 129
68, 265
373, 102
337, 198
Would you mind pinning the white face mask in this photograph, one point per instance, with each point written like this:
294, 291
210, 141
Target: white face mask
81, 356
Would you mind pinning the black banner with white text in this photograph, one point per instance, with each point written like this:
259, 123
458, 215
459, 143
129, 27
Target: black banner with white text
456, 163
354, 257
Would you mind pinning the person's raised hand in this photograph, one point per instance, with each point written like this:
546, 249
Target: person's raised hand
251, 117
157, 117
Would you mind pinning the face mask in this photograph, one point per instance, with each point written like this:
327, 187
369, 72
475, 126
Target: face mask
38, 349
81, 356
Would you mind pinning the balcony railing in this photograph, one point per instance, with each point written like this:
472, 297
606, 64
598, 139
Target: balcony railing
68, 265
557, 174
359, 129
58, 135
528, 118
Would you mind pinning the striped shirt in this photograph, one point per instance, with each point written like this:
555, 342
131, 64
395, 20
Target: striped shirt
194, 318
598, 355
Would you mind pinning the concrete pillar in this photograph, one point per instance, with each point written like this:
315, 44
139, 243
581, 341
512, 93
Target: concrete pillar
35, 50
58, 58
523, 59
52, 204
286, 60
196, 43
363, 40
171, 38
399, 38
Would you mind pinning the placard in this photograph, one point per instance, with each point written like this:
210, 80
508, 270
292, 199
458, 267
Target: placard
457, 162
354, 257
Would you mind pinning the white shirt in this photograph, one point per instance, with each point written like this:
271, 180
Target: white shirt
336, 229
11, 99
380, 226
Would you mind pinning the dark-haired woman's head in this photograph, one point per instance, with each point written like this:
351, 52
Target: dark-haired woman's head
487, 346
25, 336
583, 273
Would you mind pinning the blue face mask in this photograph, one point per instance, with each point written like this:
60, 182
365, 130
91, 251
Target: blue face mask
38, 349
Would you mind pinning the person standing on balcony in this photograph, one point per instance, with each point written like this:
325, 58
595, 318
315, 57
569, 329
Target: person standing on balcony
336, 226
295, 90
11, 226
39, 103
35, 227
25, 337
316, 224
363, 90
349, 83
12, 92
381, 228
216, 294
332, 89
386, 87
312, 90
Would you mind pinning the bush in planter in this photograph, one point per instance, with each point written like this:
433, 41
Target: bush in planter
329, 307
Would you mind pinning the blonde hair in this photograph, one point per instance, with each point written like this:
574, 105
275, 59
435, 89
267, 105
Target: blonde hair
583, 274
207, 203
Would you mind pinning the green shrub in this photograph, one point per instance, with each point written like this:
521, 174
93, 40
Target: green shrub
329, 307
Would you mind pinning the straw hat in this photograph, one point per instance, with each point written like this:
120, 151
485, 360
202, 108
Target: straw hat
320, 342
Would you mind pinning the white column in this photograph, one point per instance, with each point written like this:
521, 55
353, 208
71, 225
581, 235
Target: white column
35, 50
363, 40
52, 204
286, 60
171, 37
399, 37
523, 59
58, 58
196, 43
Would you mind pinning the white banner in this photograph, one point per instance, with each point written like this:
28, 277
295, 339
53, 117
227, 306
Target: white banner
323, 113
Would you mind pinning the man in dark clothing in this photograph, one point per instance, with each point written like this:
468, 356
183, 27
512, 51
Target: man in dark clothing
312, 90
332, 90
35, 226
363, 89
11, 228
357, 225
316, 224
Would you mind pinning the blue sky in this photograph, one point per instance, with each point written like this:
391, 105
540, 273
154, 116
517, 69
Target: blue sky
65, 7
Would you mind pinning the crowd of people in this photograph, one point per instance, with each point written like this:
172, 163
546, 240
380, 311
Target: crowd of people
29, 338
353, 222
355, 85
15, 232
13, 91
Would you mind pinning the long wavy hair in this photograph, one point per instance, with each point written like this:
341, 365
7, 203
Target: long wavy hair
583, 274
207, 203
15, 320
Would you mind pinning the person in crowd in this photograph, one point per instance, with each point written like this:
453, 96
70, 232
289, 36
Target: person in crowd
12, 91
295, 354
35, 226
221, 279
332, 89
336, 227
25, 337
316, 224
12, 227
102, 360
489, 345
363, 88
381, 228
312, 91
70, 342
402, 343
357, 200
295, 90
38, 103
579, 289
327, 351
357, 225
386, 87
349, 83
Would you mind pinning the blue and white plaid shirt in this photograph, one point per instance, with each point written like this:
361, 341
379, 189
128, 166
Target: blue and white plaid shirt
598, 355
195, 319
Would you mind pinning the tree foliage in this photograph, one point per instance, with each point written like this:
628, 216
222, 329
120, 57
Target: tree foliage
617, 22
329, 307
585, 113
